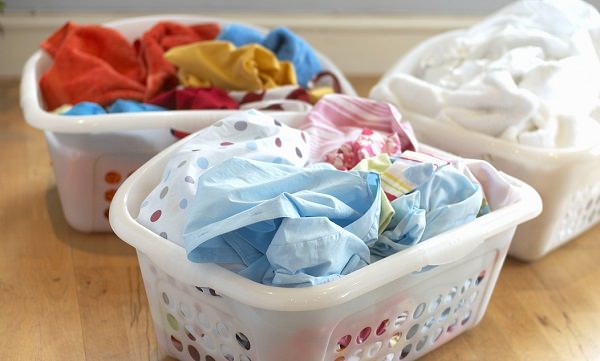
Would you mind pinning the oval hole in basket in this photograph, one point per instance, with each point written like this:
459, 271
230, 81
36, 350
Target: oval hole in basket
363, 335
405, 351
243, 340
382, 327
343, 342
176, 343
194, 354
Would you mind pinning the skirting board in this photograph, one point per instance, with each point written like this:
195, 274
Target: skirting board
358, 44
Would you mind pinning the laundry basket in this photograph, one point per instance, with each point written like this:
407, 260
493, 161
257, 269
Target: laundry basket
567, 179
92, 155
398, 308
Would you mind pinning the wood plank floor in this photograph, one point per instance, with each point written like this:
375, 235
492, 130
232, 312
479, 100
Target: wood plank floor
71, 296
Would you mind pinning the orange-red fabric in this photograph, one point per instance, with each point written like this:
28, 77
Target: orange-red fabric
161, 74
91, 63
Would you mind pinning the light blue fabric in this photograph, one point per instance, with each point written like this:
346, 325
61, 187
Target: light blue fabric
240, 35
442, 200
128, 106
289, 46
283, 225
85, 108
119, 106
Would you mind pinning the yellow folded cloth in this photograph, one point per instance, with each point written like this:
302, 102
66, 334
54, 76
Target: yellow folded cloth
221, 64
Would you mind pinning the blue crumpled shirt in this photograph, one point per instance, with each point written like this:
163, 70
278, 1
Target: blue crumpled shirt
283, 225
442, 199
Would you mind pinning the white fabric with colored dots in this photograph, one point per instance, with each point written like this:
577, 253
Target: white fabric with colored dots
250, 134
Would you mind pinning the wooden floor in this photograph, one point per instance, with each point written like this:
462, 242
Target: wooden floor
71, 296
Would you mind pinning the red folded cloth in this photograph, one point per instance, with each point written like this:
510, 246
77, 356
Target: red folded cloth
161, 74
97, 64
195, 98
91, 63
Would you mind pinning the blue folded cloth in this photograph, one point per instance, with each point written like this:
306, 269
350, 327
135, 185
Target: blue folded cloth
289, 46
85, 108
119, 106
240, 35
283, 225
128, 106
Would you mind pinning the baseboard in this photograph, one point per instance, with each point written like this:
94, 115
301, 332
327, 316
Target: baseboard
358, 44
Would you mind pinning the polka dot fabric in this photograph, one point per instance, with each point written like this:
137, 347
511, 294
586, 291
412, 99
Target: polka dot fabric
251, 134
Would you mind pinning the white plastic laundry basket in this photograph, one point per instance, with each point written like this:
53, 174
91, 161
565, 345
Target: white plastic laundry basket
93, 154
568, 179
396, 309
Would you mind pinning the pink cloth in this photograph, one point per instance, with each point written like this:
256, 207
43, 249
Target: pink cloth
368, 144
341, 119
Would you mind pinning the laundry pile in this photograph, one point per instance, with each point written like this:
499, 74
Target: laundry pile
528, 73
173, 66
298, 207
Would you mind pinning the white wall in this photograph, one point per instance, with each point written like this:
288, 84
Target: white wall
458, 7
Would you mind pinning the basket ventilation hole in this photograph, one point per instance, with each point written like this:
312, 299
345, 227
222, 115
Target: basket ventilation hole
412, 331
194, 353
405, 351
437, 334
445, 314
374, 349
165, 298
382, 327
466, 318
172, 322
435, 303
243, 340
210, 358
427, 325
395, 339
227, 354
341, 358
176, 343
452, 326
480, 278
451, 295
189, 332
401, 318
363, 335
244, 358
473, 297
419, 310
185, 310
343, 342
465, 286
421, 343
388, 357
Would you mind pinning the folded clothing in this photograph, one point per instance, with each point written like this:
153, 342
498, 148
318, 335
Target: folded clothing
220, 64
161, 75
97, 64
119, 106
522, 74
243, 194
283, 42
91, 63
